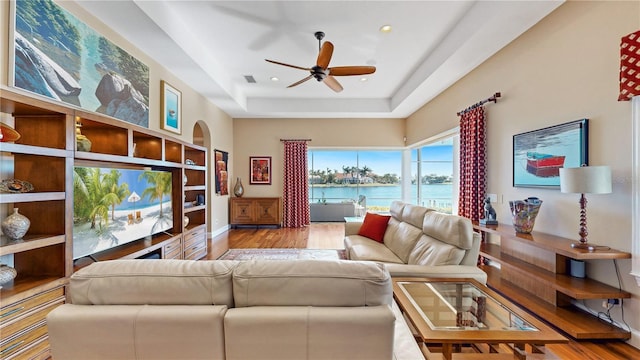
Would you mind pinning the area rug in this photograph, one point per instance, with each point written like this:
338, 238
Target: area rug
283, 254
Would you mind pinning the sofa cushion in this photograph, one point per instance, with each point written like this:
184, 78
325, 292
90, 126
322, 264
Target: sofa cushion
362, 248
103, 332
396, 209
153, 282
444, 271
451, 229
401, 237
430, 251
414, 214
311, 283
374, 226
310, 333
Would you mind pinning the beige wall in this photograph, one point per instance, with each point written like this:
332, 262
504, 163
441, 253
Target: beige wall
261, 137
563, 69
195, 108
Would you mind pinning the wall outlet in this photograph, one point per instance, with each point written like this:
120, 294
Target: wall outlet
493, 198
610, 303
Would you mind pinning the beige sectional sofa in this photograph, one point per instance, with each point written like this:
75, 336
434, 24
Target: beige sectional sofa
420, 241
177, 309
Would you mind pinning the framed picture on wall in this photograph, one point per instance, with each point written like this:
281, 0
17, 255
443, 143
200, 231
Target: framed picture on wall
538, 155
171, 100
222, 181
260, 170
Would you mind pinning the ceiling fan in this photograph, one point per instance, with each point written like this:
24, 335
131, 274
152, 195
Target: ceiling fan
322, 72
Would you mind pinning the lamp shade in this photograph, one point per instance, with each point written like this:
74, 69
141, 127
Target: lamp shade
586, 180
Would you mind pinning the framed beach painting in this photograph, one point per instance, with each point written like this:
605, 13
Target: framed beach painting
538, 155
171, 100
260, 170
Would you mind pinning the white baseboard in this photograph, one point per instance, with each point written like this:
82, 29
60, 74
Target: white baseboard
217, 232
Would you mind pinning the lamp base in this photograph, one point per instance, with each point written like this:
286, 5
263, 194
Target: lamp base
584, 246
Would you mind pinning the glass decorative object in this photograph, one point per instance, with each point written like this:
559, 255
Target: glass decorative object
524, 212
16, 225
238, 189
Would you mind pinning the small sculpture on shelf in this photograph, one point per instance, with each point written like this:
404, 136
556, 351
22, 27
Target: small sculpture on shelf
489, 213
82, 142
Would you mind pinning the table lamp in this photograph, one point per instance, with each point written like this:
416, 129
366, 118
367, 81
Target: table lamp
585, 180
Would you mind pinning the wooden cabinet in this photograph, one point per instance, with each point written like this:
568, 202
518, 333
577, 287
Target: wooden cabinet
195, 243
45, 155
42, 156
172, 249
534, 272
23, 325
255, 211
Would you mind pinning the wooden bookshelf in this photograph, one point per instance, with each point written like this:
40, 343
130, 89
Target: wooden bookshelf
45, 155
534, 273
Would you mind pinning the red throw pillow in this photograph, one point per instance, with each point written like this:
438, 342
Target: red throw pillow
374, 226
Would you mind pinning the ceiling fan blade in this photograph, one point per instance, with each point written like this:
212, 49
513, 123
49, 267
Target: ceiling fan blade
300, 82
333, 83
351, 70
325, 55
283, 64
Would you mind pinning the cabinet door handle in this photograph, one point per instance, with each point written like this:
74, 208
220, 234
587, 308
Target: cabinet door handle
11, 347
11, 312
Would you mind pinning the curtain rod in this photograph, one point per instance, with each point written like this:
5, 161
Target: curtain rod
295, 139
494, 98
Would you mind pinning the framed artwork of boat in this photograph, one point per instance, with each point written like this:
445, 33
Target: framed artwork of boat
538, 155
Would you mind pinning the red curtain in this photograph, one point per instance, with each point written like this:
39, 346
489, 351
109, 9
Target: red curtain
473, 170
296, 190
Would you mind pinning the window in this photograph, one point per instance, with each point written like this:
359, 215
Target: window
347, 175
433, 175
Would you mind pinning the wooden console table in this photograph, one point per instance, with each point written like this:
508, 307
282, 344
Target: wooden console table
535, 274
255, 211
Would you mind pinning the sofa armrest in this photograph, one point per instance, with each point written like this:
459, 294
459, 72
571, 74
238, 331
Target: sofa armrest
352, 228
444, 271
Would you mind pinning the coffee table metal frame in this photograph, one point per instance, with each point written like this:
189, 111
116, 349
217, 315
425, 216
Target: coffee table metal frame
468, 335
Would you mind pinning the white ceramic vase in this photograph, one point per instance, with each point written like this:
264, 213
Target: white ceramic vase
16, 225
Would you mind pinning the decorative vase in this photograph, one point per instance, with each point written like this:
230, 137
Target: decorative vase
184, 179
186, 221
238, 190
7, 273
523, 213
15, 225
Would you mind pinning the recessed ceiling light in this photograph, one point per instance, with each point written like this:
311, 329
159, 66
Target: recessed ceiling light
385, 28
363, 79
273, 78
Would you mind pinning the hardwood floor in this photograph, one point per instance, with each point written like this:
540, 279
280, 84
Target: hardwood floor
329, 236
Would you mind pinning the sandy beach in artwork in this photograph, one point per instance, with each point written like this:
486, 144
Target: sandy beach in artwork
121, 230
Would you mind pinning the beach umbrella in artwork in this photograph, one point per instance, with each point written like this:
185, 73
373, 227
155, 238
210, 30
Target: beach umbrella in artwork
133, 198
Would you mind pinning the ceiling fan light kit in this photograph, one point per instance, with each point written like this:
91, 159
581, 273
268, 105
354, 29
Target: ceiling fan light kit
322, 72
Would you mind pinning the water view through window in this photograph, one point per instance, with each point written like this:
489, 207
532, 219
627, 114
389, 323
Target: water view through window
375, 177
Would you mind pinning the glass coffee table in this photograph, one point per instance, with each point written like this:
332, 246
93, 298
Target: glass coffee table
452, 312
